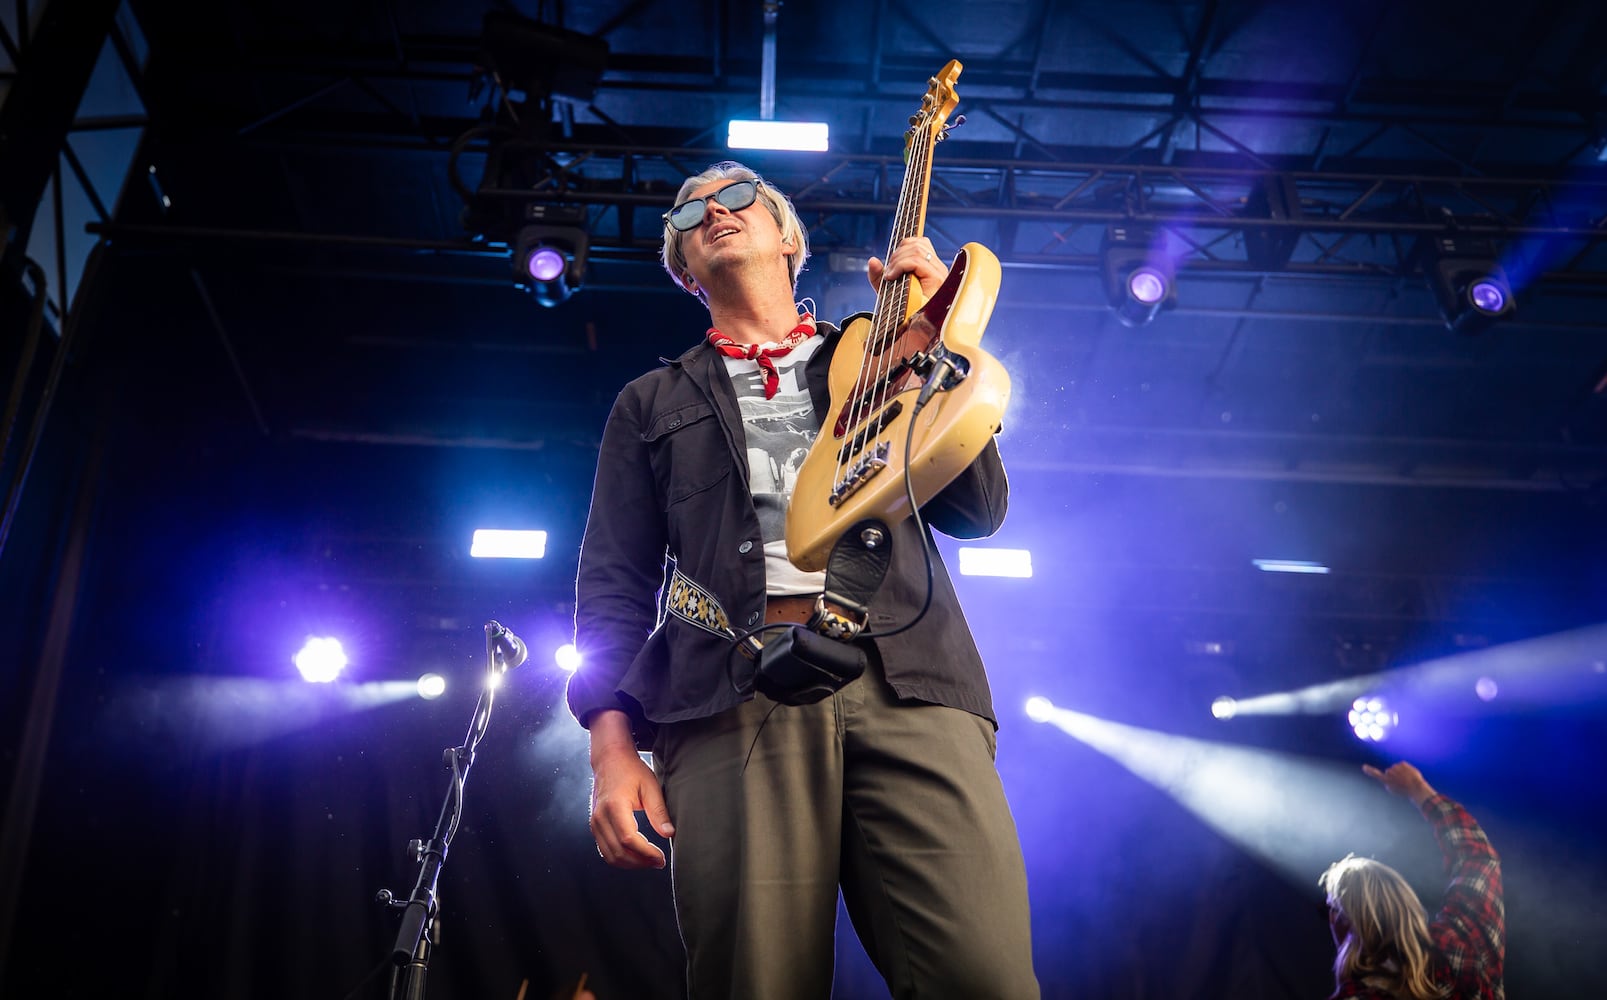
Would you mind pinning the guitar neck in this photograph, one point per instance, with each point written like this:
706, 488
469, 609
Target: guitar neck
926, 128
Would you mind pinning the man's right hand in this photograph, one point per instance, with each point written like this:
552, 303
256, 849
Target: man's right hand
1402, 779
622, 786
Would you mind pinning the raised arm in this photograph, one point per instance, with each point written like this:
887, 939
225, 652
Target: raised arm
1470, 928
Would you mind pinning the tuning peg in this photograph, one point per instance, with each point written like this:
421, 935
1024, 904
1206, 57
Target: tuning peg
957, 122
915, 120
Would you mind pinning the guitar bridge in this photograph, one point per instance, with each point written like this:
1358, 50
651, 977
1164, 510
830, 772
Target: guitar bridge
860, 473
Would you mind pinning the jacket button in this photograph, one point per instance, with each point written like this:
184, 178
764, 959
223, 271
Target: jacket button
745, 548
676, 422
753, 619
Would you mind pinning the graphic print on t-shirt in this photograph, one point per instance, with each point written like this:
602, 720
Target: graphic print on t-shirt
779, 432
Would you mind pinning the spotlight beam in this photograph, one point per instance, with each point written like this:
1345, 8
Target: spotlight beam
1294, 813
1541, 666
225, 713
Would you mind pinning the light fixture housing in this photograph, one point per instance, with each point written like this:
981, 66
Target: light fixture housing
550, 261
1471, 288
1140, 280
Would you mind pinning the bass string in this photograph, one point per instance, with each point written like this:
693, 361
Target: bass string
908, 225
892, 299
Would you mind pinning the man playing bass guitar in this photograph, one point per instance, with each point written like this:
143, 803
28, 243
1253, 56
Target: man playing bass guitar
884, 791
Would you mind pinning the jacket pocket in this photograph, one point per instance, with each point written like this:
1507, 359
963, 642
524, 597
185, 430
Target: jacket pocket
688, 451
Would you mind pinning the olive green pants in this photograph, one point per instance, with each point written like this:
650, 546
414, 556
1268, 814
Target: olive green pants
898, 803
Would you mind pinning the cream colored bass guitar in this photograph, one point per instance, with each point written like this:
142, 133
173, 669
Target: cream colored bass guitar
911, 347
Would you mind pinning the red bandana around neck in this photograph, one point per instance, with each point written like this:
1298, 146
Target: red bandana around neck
764, 355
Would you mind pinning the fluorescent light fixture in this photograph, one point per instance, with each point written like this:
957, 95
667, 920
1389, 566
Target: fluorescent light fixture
754, 134
995, 562
492, 543
1288, 566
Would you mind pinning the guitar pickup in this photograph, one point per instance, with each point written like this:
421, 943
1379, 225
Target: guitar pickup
871, 463
877, 424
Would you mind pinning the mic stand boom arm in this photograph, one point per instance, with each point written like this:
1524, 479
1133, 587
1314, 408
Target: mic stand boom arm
411, 954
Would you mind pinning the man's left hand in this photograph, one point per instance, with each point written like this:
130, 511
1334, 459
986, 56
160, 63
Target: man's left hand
914, 255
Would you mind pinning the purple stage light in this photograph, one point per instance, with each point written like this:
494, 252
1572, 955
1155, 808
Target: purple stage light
1486, 689
1487, 296
545, 264
1146, 285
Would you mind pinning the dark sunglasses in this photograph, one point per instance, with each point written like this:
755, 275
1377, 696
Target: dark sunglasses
734, 196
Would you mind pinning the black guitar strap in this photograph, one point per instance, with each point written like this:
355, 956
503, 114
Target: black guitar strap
854, 573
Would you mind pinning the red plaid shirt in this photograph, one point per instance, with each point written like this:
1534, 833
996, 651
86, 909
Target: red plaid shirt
1469, 931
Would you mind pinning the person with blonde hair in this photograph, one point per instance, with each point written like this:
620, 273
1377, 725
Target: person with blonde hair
1389, 948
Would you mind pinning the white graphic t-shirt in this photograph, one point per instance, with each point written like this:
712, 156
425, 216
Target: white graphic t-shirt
779, 432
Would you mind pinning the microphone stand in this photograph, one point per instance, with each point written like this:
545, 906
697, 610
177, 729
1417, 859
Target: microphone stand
411, 954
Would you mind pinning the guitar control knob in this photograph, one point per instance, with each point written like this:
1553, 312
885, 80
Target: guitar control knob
871, 538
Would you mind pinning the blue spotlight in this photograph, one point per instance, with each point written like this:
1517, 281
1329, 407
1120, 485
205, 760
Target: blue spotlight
321, 659
567, 657
1488, 297
431, 686
1372, 720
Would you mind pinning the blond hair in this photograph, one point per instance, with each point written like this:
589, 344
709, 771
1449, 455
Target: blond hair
1388, 945
780, 207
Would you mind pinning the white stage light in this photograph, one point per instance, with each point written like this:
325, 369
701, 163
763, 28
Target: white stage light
809, 137
995, 562
494, 543
567, 657
1371, 719
321, 659
1288, 566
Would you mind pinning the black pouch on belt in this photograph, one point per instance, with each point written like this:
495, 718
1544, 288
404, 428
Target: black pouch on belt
803, 666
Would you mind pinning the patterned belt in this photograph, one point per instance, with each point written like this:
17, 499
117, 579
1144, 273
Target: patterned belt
802, 609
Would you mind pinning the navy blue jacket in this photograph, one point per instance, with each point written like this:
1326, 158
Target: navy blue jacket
672, 493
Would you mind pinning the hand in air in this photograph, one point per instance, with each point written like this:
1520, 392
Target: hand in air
1401, 779
913, 255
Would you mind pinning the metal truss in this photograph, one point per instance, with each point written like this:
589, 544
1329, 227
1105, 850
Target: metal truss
1050, 213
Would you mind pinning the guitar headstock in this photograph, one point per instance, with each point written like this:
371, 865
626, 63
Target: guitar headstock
940, 99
